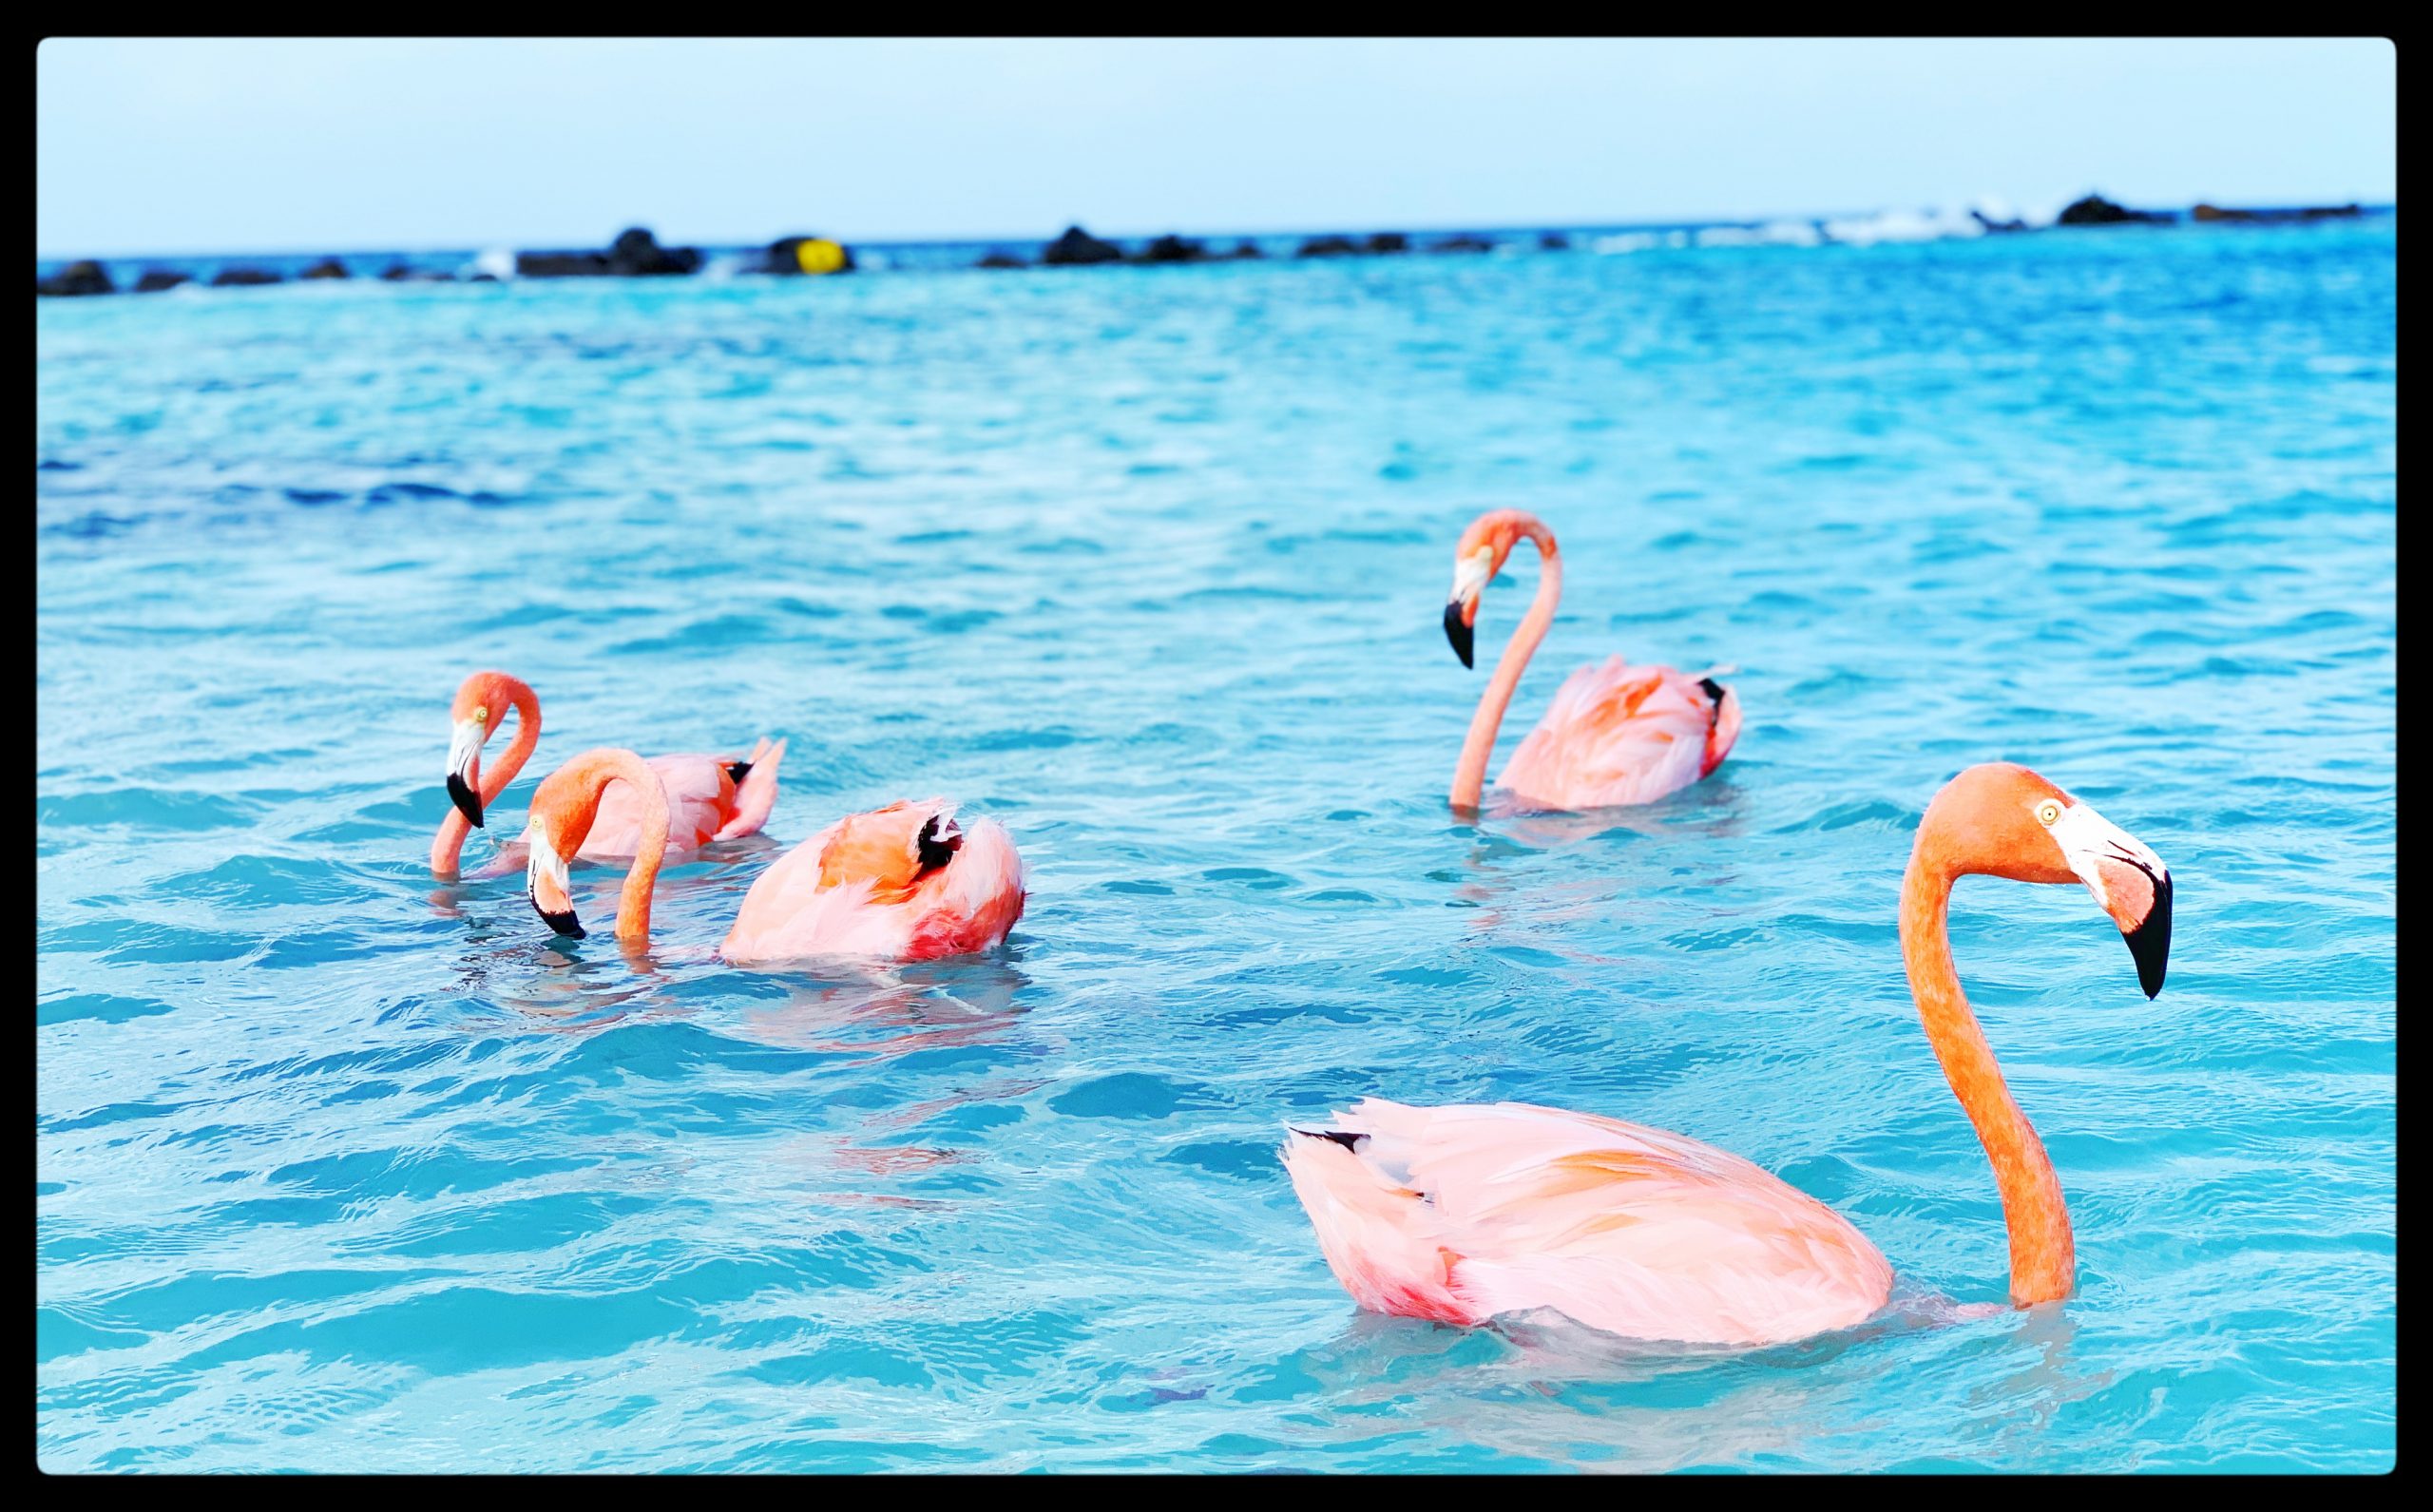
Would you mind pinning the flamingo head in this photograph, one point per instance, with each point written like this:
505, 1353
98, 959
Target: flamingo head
563, 808
1477, 559
2027, 829
482, 702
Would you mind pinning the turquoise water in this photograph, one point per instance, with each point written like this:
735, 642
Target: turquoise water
342, 1168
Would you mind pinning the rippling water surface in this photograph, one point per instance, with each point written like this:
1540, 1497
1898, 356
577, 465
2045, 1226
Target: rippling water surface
339, 1167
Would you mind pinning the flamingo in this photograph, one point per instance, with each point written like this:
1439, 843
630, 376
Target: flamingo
907, 881
1460, 1213
715, 797
1615, 735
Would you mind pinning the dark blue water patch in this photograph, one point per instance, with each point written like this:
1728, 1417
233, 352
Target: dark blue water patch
138, 809
409, 492
109, 1007
1128, 1095
316, 496
58, 465
58, 1336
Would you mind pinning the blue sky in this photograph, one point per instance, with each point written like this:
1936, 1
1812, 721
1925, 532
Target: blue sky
245, 145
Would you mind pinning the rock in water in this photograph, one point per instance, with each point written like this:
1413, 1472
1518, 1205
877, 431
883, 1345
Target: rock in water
1078, 246
228, 277
77, 278
1554, 242
636, 253
1328, 247
2095, 210
1001, 260
156, 279
326, 268
1463, 242
1245, 248
1173, 249
1388, 241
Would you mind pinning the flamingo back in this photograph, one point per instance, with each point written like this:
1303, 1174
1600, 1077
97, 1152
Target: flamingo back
1464, 1213
859, 888
1619, 734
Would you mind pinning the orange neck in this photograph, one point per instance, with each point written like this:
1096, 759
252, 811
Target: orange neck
449, 843
2043, 1261
633, 903
1470, 774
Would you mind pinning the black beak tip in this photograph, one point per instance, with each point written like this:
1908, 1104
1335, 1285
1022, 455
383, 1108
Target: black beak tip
469, 803
1457, 631
2150, 943
565, 923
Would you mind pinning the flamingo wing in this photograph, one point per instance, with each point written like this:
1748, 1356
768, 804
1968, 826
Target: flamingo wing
701, 798
883, 884
1619, 734
1463, 1213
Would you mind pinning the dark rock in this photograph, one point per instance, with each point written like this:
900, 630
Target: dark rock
2095, 210
1078, 246
1993, 227
77, 278
1001, 260
156, 279
1464, 243
227, 277
399, 273
636, 253
1553, 241
1328, 247
1388, 241
1172, 249
1245, 249
483, 277
561, 266
801, 255
326, 268
2211, 213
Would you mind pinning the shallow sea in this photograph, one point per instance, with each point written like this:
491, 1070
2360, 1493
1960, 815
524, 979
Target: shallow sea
339, 1167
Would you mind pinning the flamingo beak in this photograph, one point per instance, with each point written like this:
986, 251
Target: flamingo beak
545, 884
1470, 575
2130, 883
465, 769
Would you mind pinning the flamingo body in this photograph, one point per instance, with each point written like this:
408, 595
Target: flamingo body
1460, 1213
1619, 734
1615, 735
704, 803
709, 797
902, 883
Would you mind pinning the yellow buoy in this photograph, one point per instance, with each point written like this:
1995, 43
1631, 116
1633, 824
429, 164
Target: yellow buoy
819, 255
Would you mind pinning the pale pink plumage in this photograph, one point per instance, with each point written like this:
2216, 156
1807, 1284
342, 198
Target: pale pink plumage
1620, 735
704, 803
1461, 1213
859, 888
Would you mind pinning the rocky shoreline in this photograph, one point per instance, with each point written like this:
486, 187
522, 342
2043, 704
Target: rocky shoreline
636, 253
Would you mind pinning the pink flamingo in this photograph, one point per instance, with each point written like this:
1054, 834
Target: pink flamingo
1615, 735
713, 797
902, 883
1460, 1213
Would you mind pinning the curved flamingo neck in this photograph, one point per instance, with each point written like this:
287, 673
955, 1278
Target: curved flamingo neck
633, 903
2043, 1259
1469, 774
449, 844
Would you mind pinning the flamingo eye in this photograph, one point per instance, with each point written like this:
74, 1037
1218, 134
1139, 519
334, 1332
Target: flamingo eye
2048, 812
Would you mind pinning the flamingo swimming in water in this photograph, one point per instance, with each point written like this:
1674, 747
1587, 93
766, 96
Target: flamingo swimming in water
908, 882
1615, 735
1459, 1214
713, 797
